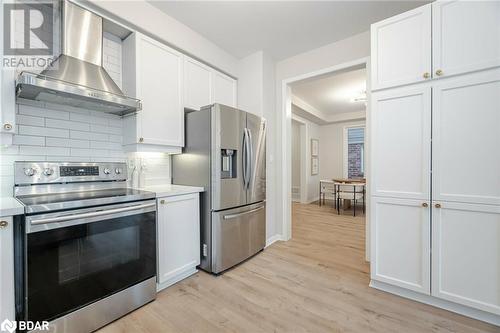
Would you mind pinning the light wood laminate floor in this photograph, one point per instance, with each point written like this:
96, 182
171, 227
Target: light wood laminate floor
316, 282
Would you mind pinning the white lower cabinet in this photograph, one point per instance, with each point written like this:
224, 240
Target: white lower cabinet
466, 254
401, 244
178, 238
6, 269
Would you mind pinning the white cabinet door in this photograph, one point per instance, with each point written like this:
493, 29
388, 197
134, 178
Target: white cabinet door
401, 143
466, 138
159, 86
223, 89
466, 255
197, 84
178, 238
465, 36
401, 243
7, 269
401, 49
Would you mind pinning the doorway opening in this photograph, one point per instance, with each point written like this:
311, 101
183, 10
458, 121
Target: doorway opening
327, 148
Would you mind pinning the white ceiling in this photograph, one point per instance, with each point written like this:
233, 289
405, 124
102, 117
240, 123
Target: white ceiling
334, 93
282, 28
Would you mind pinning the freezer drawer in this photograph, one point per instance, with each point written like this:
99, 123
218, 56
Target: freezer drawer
237, 234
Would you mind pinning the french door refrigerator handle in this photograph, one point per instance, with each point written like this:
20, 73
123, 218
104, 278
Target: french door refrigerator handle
251, 161
246, 158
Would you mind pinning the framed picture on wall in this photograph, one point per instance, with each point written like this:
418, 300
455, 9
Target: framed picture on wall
314, 147
314, 166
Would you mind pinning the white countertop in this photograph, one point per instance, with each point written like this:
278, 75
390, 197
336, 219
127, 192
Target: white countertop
10, 206
169, 190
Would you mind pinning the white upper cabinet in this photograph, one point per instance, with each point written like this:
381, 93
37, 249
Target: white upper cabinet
466, 255
197, 84
401, 244
466, 138
465, 36
401, 143
224, 89
204, 85
153, 73
401, 49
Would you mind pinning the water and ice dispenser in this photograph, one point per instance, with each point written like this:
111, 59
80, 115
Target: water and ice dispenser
228, 165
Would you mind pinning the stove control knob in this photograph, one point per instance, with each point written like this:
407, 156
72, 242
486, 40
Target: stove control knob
107, 171
48, 171
118, 171
29, 172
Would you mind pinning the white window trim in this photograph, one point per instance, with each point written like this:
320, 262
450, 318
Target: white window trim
345, 154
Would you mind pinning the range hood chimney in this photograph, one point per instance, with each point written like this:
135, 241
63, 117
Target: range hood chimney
77, 77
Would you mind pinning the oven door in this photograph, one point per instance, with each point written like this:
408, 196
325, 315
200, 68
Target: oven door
77, 257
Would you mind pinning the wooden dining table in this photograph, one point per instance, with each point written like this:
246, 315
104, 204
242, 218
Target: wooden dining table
336, 181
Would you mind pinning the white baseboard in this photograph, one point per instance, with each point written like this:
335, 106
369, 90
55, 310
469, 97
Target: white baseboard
178, 276
313, 200
437, 302
273, 239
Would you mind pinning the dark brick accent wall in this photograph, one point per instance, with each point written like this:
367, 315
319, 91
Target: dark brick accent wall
354, 160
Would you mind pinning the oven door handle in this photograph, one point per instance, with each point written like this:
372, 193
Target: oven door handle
91, 214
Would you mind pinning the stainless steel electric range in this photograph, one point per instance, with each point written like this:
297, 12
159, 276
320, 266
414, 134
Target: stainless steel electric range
85, 250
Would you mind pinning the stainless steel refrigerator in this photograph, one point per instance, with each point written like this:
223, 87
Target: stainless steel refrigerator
225, 152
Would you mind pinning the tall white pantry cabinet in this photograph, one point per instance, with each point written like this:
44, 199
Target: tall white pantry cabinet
435, 138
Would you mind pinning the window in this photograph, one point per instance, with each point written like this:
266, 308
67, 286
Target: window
355, 152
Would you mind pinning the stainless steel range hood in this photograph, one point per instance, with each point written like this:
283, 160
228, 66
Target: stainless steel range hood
77, 77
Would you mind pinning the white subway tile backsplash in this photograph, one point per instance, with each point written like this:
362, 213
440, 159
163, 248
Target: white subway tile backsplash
32, 150
41, 112
115, 138
106, 129
74, 125
80, 152
30, 120
29, 140
43, 131
88, 136
57, 142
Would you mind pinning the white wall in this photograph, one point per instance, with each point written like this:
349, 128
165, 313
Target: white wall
331, 149
349, 49
312, 131
146, 18
256, 94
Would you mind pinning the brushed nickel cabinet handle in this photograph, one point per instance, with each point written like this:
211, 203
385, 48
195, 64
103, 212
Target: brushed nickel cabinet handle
3, 224
425, 204
439, 72
162, 202
7, 126
437, 205
426, 75
141, 139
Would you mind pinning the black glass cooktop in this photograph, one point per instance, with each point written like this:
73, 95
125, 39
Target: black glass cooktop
59, 201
